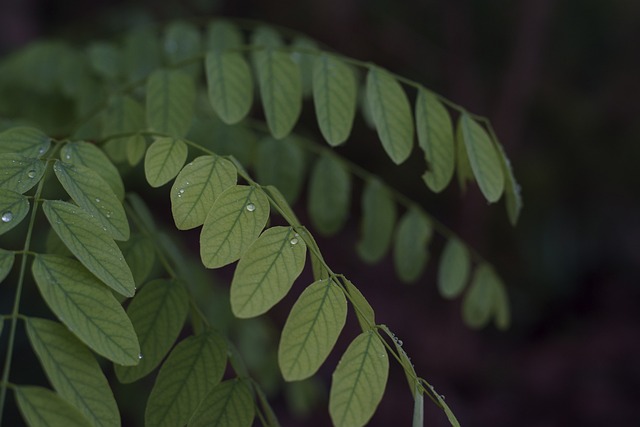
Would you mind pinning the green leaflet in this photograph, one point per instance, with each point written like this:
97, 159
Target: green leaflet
435, 136
230, 85
271, 419
463, 167
141, 53
233, 223
229, 404
136, 147
105, 59
378, 220
418, 409
334, 97
329, 195
86, 307
364, 311
27, 141
513, 198
359, 381
6, 263
483, 157
222, 35
18, 173
158, 313
280, 205
311, 330
142, 210
407, 366
317, 261
93, 194
170, 101
139, 253
123, 115
41, 407
73, 371
281, 163
13, 208
280, 91
478, 302
262, 39
454, 269
267, 271
86, 154
391, 113
502, 311
164, 159
410, 248
302, 47
182, 42
86, 239
197, 186
190, 372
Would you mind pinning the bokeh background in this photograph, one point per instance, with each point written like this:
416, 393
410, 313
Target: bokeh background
560, 81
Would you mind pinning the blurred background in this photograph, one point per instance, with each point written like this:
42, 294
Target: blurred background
560, 82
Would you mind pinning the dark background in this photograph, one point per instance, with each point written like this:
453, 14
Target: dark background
560, 82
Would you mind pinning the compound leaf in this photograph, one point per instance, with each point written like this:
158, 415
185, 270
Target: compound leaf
41, 407
378, 220
230, 85
229, 404
454, 269
281, 163
123, 115
26, 141
19, 173
410, 249
329, 195
13, 208
170, 102
164, 159
6, 263
478, 302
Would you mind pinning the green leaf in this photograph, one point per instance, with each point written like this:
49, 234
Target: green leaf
6, 263
73, 371
405, 362
280, 205
41, 407
435, 136
364, 311
267, 271
18, 173
483, 157
136, 147
93, 194
410, 249
181, 42
378, 220
334, 97
105, 59
139, 253
86, 307
454, 269
27, 141
502, 311
223, 35
233, 223
359, 381
142, 210
267, 410
123, 115
478, 302
158, 313
311, 330
301, 55
329, 195
86, 239
280, 91
164, 159
13, 208
141, 53
190, 372
230, 85
263, 38
513, 198
170, 101
281, 163
229, 404
418, 409
391, 114
86, 154
463, 167
197, 186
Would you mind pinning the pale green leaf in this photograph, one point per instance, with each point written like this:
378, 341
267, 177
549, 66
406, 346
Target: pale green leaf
27, 141
280, 205
359, 381
230, 85
233, 223
435, 136
6, 263
418, 409
263, 38
454, 269
410, 246
334, 98
73, 371
281, 163
170, 102
304, 54
181, 42
86, 307
463, 167
136, 147
478, 301
317, 261
267, 271
483, 158
502, 311
123, 115
141, 53
86, 154
364, 311
391, 114
105, 59
190, 372
139, 253
164, 159
513, 198
197, 186
93, 194
41, 407
229, 404
13, 208
378, 221
238, 141
223, 35
280, 91
329, 195
18, 173
311, 330
86, 239
158, 313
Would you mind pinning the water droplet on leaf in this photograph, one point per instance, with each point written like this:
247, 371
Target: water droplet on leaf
251, 207
68, 156
294, 241
31, 174
7, 216
97, 200
140, 356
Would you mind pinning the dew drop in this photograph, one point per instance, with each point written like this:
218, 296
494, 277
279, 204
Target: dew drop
109, 213
140, 356
104, 228
67, 156
251, 207
400, 343
382, 355
42, 150
294, 241
442, 396
31, 174
97, 200
7, 216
